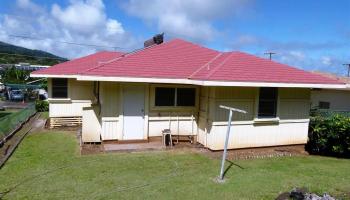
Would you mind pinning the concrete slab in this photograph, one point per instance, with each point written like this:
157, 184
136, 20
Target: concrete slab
148, 146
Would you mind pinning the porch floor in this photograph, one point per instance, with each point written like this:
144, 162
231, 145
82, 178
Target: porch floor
147, 146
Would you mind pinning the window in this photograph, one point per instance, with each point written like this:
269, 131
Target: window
167, 96
164, 96
324, 105
59, 88
267, 102
186, 97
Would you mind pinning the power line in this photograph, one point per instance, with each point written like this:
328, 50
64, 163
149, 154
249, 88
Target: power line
66, 42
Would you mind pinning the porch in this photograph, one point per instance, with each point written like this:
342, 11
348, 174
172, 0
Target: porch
123, 112
152, 144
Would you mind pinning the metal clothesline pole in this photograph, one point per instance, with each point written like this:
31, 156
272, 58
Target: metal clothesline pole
221, 177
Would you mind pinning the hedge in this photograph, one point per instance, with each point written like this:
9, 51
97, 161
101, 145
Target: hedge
41, 106
329, 134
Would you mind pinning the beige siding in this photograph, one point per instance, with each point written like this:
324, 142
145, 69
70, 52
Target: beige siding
109, 128
255, 135
205, 119
290, 127
67, 108
80, 95
180, 120
80, 90
338, 99
237, 97
110, 111
203, 115
109, 99
182, 123
294, 103
91, 128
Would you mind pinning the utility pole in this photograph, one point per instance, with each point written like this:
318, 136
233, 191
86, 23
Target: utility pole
348, 64
270, 54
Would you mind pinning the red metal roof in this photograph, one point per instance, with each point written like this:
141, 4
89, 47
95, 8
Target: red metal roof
179, 59
79, 65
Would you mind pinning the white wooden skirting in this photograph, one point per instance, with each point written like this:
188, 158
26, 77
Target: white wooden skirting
109, 128
245, 135
67, 107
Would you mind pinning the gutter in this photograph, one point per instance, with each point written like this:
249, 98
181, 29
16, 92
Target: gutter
197, 82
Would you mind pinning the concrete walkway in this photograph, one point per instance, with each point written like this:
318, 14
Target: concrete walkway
147, 146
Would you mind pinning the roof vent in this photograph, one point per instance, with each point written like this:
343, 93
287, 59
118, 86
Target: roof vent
157, 39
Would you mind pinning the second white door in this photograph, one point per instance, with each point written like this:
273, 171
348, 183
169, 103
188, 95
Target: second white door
133, 110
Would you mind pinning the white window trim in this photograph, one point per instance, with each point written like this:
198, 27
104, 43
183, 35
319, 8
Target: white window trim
173, 108
258, 119
68, 92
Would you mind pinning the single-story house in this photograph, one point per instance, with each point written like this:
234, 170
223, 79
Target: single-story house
179, 85
332, 99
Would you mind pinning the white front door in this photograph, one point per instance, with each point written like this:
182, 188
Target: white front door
133, 107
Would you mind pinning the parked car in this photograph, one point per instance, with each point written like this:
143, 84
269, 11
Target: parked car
16, 95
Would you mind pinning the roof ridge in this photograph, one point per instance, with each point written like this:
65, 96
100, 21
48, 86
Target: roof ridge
221, 64
287, 65
194, 44
118, 58
206, 64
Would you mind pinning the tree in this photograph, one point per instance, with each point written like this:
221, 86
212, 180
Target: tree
12, 75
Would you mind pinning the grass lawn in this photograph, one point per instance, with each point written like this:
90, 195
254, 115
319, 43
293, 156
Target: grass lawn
44, 115
48, 166
15, 117
7, 112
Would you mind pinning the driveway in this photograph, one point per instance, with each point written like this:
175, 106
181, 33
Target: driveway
13, 104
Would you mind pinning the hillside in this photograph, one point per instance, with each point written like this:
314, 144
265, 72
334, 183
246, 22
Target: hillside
26, 55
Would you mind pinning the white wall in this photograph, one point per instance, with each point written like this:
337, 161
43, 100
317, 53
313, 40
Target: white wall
67, 107
205, 119
91, 128
338, 99
80, 94
291, 126
258, 135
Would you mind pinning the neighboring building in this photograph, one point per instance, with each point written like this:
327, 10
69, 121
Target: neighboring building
23, 66
332, 99
180, 85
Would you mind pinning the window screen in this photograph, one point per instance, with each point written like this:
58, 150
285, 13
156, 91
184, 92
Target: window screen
59, 88
164, 96
267, 102
186, 97
323, 105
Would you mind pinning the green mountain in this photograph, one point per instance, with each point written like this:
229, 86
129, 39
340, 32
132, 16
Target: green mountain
11, 54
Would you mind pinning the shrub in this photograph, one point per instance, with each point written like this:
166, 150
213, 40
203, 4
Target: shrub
329, 135
41, 106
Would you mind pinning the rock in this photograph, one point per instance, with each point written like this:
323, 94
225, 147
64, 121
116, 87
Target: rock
311, 196
327, 197
303, 194
298, 193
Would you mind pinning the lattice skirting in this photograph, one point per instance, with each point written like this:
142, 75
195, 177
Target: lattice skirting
65, 121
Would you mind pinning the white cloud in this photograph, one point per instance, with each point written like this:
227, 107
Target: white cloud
192, 19
326, 60
114, 27
81, 21
28, 5
81, 16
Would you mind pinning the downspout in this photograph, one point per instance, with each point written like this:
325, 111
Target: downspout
97, 96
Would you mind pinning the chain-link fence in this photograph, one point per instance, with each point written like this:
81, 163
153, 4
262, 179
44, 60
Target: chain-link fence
10, 122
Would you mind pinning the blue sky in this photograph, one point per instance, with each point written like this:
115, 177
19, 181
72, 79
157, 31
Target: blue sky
309, 34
